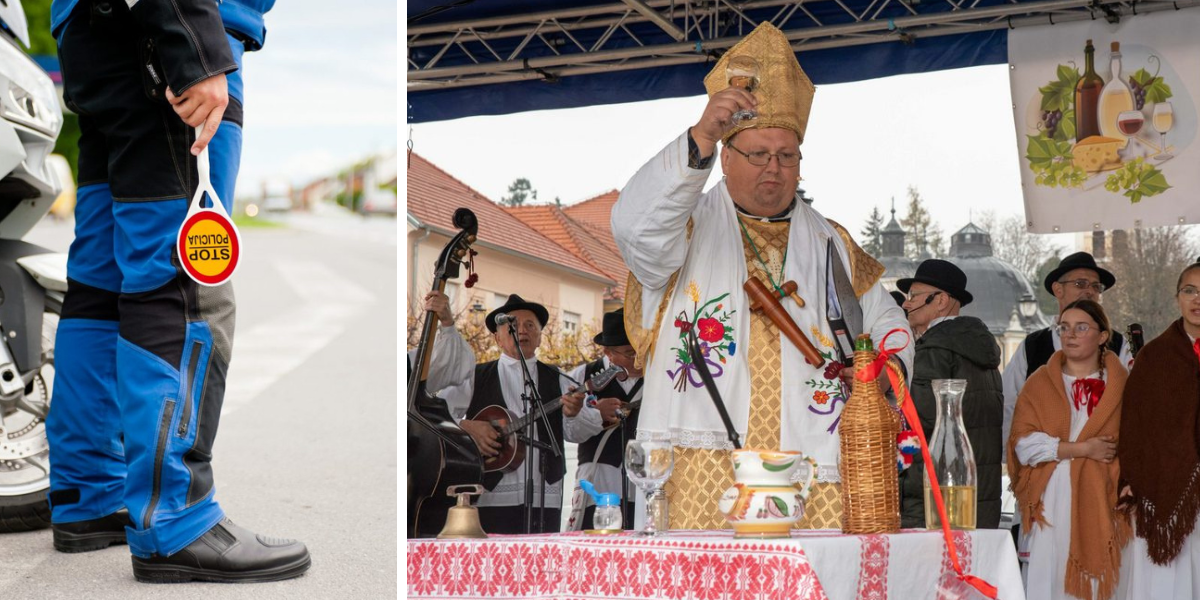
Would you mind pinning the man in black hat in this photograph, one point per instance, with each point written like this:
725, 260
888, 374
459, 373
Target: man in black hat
501, 382
602, 455
952, 346
1077, 277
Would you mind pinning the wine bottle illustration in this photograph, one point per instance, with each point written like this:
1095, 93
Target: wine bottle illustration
1087, 97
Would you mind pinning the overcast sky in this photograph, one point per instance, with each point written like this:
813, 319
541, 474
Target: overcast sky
323, 92
949, 133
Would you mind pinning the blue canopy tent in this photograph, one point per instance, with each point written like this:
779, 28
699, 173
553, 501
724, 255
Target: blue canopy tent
493, 57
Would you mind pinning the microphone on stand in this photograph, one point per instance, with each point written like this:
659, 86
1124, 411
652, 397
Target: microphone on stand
504, 319
1136, 341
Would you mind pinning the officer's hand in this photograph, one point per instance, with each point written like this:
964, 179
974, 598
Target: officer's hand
487, 439
572, 403
202, 104
716, 118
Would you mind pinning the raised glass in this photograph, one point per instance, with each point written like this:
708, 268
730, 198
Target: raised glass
742, 72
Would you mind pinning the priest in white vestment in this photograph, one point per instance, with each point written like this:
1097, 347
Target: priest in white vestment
690, 252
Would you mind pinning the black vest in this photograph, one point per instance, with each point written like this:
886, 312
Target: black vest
1039, 347
488, 393
614, 451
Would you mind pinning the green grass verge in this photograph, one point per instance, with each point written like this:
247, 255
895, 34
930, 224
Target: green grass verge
242, 221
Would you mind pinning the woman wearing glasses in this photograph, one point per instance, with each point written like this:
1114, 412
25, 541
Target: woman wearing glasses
1062, 462
1160, 467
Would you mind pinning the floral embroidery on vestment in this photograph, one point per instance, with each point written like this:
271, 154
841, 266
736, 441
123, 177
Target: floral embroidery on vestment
712, 321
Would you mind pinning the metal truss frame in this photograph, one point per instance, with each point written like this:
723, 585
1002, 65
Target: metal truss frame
640, 34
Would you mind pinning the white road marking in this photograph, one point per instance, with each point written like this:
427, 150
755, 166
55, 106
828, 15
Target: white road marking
266, 352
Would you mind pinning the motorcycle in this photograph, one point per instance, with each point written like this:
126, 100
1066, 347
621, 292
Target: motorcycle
33, 280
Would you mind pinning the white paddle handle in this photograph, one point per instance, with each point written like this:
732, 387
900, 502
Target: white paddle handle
204, 183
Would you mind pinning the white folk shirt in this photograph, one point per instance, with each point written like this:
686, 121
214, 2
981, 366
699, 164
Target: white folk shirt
606, 478
649, 222
451, 363
511, 489
1048, 545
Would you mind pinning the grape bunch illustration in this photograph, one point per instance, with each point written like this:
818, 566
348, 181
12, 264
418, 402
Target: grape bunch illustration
1139, 93
1050, 121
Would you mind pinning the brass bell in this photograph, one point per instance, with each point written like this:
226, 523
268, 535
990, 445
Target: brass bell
462, 520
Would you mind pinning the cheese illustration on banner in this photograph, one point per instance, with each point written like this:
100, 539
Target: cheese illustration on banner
208, 246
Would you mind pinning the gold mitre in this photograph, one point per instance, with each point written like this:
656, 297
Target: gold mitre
784, 92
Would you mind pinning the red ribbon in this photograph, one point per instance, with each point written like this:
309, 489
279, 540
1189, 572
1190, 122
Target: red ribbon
1087, 392
910, 413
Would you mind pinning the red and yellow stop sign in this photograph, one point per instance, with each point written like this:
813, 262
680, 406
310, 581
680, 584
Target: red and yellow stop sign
209, 247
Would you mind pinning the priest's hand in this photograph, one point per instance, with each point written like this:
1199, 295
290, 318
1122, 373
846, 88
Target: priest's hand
487, 439
717, 116
848, 378
572, 403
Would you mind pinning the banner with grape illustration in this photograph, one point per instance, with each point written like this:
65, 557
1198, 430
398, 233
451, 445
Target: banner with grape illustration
1106, 120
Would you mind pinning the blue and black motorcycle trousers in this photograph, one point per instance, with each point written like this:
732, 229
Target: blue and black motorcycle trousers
142, 351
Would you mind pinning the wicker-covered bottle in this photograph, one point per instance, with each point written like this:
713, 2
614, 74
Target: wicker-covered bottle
868, 430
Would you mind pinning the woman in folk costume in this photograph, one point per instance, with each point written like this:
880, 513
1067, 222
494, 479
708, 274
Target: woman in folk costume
690, 252
1062, 462
1160, 456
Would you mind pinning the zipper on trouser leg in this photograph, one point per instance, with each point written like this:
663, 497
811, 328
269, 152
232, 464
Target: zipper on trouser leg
164, 428
186, 417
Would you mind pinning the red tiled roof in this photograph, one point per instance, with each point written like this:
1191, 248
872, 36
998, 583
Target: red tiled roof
433, 196
591, 243
595, 211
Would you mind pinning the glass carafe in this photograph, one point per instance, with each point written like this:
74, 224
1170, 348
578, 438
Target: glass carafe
953, 460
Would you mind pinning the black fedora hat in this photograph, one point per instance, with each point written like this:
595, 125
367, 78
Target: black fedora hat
516, 302
612, 332
942, 275
1079, 260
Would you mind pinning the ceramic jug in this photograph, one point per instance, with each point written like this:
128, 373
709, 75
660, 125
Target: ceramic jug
768, 493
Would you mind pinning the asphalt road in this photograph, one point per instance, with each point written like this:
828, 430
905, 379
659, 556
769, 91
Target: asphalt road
307, 443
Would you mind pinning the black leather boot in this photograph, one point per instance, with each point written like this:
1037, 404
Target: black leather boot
85, 536
228, 554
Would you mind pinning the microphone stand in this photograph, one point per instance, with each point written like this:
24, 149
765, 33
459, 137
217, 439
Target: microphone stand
533, 402
626, 495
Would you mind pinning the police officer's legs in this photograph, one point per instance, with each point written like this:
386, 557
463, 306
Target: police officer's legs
174, 338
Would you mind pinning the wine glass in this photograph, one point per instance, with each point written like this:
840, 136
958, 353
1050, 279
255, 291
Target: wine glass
1129, 123
1163, 118
742, 72
649, 465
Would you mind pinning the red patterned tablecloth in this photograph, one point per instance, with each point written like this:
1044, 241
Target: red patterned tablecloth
706, 565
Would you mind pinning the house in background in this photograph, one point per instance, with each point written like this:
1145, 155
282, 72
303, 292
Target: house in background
515, 257
583, 230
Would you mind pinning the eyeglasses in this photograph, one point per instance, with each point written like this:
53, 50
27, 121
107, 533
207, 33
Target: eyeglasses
1189, 292
1082, 284
919, 294
763, 158
1063, 329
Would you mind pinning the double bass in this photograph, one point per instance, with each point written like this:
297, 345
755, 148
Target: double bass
440, 453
